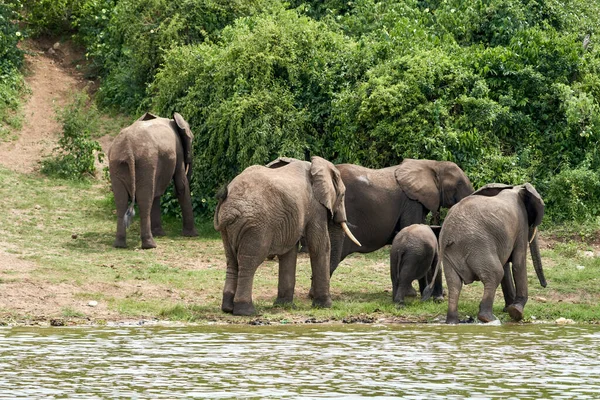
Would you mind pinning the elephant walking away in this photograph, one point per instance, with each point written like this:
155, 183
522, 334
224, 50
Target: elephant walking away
265, 211
143, 159
480, 237
413, 255
380, 202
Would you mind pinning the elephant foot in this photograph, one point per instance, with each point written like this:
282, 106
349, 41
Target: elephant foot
410, 292
311, 294
452, 319
284, 302
322, 302
243, 309
515, 311
120, 243
189, 232
486, 317
148, 243
400, 304
438, 299
227, 303
157, 232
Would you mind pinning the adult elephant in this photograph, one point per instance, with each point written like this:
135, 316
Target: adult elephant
481, 236
143, 159
380, 202
266, 211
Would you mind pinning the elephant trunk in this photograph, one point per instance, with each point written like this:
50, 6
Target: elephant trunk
349, 234
537, 259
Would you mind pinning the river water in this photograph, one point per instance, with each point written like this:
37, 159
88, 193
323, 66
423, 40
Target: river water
311, 361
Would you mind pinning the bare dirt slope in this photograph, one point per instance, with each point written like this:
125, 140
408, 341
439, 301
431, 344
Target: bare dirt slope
51, 79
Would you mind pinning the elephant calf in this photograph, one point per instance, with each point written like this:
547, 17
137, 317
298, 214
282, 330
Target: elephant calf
143, 159
413, 255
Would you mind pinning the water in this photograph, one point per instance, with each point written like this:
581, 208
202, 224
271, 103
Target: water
315, 361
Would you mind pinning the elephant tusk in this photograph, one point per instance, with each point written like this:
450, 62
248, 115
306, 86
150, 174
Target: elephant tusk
187, 168
349, 234
533, 236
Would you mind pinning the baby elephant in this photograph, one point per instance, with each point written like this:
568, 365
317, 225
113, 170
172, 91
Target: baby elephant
414, 255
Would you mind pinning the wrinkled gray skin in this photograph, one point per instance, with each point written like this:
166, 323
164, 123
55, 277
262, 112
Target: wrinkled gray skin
413, 254
266, 211
380, 202
142, 161
480, 237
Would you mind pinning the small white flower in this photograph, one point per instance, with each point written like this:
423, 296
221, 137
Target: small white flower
151, 30
18, 34
427, 10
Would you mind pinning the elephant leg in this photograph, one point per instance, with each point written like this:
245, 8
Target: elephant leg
508, 287
438, 288
121, 200
287, 277
231, 277
145, 207
491, 279
515, 310
155, 219
319, 250
251, 253
184, 197
454, 284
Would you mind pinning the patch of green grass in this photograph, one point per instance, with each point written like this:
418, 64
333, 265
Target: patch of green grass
69, 312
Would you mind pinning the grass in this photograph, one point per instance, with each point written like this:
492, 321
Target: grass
65, 230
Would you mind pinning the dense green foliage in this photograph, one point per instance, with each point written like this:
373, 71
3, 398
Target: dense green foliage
75, 155
11, 59
508, 89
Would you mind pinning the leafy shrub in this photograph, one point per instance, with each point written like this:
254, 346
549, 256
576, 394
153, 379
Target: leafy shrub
50, 16
11, 80
573, 195
75, 155
132, 46
263, 91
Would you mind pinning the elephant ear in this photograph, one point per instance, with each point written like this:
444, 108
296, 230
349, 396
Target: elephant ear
281, 162
418, 179
186, 136
326, 183
533, 203
147, 117
492, 189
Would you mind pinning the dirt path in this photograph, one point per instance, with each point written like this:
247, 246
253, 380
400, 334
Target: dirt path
51, 81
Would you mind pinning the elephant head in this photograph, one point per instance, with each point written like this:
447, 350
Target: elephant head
186, 136
328, 188
534, 205
434, 184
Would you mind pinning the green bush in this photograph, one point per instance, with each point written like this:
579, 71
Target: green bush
263, 91
50, 17
572, 195
75, 155
11, 81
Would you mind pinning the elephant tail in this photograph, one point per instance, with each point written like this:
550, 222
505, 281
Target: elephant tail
130, 213
428, 291
221, 196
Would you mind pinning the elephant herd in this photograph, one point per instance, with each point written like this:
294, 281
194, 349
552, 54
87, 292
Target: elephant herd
337, 210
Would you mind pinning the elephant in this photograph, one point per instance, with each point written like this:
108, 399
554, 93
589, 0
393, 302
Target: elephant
265, 211
380, 202
142, 161
413, 254
481, 235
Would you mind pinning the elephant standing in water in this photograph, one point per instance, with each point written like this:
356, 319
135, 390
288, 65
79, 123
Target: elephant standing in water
413, 254
142, 161
481, 236
380, 202
266, 211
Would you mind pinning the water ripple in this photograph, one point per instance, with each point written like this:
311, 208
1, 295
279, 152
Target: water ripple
412, 362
